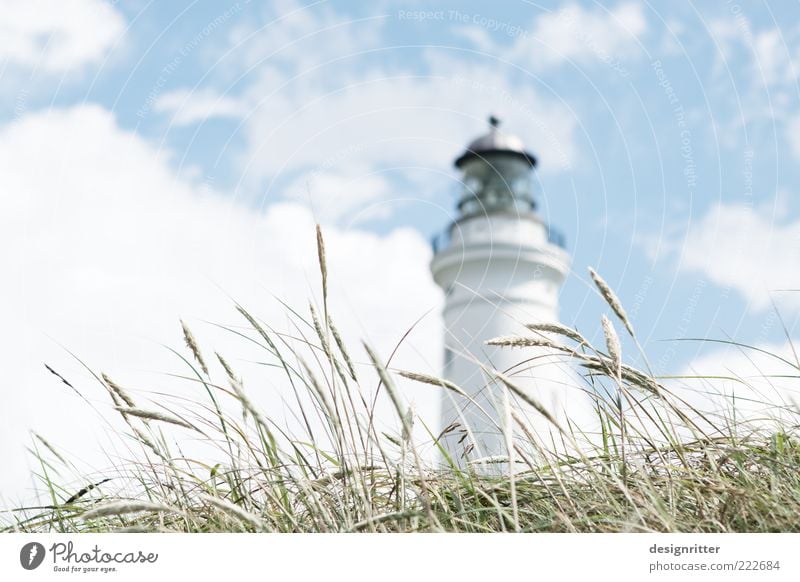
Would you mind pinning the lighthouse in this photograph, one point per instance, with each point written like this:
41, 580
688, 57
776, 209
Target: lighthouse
500, 267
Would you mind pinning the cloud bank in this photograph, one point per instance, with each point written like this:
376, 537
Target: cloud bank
104, 249
57, 36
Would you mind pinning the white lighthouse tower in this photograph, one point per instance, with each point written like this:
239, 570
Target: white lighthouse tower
500, 267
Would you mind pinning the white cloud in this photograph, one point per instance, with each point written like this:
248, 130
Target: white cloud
342, 199
746, 249
396, 120
772, 58
728, 33
188, 107
479, 36
341, 133
104, 249
304, 37
315, 93
379, 120
577, 34
754, 70
57, 35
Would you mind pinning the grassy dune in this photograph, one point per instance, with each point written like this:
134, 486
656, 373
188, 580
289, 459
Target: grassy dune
657, 463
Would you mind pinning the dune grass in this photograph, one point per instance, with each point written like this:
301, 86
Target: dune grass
657, 463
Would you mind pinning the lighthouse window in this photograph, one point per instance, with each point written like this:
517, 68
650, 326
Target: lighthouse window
520, 186
471, 206
472, 185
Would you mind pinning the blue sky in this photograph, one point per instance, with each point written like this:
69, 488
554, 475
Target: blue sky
635, 183
163, 155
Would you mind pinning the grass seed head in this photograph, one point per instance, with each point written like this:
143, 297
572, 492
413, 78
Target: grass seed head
49, 447
612, 299
323, 340
526, 342
154, 415
613, 346
340, 344
323, 263
191, 343
117, 390
124, 507
557, 328
432, 380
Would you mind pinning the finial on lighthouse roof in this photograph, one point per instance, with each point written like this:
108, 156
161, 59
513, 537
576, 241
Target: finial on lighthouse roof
495, 142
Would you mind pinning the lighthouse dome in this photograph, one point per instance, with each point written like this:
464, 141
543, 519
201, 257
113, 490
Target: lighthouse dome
495, 142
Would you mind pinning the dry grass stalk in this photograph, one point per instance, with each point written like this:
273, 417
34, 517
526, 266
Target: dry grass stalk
340, 344
119, 391
390, 387
330, 410
154, 415
433, 380
629, 374
241, 396
527, 398
257, 326
557, 328
613, 346
534, 342
408, 424
612, 300
226, 367
60, 377
115, 399
147, 441
492, 460
234, 511
320, 332
49, 447
323, 265
191, 343
124, 507
514, 341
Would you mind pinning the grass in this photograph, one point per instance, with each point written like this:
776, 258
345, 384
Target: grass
657, 463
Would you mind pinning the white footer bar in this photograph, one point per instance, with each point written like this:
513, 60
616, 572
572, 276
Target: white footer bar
400, 557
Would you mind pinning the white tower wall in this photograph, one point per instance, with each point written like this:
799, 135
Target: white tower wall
500, 270
499, 273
